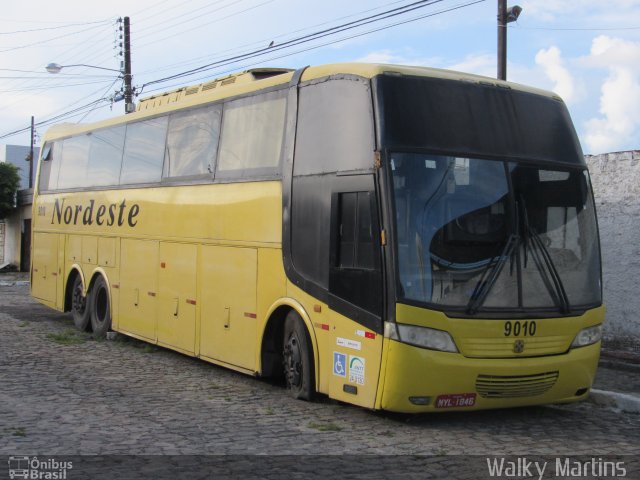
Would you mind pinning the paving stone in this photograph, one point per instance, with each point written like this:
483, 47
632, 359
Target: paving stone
112, 398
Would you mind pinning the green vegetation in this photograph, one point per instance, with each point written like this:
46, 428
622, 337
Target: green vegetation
325, 427
16, 431
68, 337
9, 185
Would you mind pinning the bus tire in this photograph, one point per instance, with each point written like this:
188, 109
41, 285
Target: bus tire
298, 358
100, 310
80, 306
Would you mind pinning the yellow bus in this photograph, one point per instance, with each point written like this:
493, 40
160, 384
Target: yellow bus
394, 237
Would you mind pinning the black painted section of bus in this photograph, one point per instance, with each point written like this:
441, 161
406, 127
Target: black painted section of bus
313, 185
410, 113
474, 119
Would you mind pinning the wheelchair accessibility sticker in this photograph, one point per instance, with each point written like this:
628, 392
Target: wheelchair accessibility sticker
339, 364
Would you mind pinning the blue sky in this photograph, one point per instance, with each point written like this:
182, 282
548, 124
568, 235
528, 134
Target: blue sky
587, 51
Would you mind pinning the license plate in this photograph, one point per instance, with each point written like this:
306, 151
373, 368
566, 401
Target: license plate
456, 400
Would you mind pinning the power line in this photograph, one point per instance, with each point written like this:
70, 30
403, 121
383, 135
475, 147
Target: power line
144, 19
593, 29
54, 28
40, 42
48, 76
67, 57
49, 87
103, 96
287, 45
56, 118
264, 41
305, 38
208, 23
385, 27
195, 11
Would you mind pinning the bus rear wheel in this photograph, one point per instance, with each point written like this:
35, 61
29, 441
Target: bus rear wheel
100, 310
298, 358
79, 306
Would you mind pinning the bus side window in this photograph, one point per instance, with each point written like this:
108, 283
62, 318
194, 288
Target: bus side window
48, 168
105, 156
251, 138
354, 232
192, 142
144, 151
73, 161
355, 266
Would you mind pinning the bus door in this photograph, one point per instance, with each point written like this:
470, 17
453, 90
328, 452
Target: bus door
355, 289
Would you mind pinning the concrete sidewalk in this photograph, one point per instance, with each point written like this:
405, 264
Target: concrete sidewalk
617, 383
8, 279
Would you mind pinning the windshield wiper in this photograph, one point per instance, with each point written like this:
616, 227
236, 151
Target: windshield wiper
538, 249
561, 294
490, 274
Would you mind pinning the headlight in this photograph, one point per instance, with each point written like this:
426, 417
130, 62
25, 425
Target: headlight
587, 336
421, 337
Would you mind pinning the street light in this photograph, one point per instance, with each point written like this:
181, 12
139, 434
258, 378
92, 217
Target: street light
128, 91
124, 72
505, 15
56, 68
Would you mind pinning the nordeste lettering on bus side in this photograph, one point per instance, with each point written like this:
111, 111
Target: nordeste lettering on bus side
100, 214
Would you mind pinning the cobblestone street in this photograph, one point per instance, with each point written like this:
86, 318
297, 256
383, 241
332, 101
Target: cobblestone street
63, 393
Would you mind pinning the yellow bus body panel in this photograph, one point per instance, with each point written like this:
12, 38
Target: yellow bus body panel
228, 325
337, 334
195, 268
419, 372
44, 268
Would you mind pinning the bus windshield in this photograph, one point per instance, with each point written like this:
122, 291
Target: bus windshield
478, 236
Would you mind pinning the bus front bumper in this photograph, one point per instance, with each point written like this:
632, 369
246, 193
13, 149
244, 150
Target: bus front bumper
430, 381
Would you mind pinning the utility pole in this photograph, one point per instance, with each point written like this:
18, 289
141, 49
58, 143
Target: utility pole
505, 16
128, 92
502, 40
30, 157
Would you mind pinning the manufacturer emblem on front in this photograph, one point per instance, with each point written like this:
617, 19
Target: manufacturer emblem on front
518, 346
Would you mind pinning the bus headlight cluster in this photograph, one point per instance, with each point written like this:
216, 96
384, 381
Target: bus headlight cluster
421, 337
587, 336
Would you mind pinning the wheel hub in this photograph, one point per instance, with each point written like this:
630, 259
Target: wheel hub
292, 361
79, 301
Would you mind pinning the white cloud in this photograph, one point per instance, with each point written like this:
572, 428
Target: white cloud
480, 64
618, 127
398, 58
380, 56
553, 65
584, 11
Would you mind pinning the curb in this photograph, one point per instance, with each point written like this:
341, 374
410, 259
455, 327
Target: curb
16, 283
618, 365
620, 401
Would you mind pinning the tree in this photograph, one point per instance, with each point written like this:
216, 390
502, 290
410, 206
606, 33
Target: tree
9, 184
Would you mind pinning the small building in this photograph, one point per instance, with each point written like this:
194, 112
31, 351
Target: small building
15, 231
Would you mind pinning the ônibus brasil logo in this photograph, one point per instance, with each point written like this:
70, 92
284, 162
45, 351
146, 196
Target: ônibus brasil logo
33, 468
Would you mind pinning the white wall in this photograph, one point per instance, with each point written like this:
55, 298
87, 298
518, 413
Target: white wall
616, 185
3, 230
12, 240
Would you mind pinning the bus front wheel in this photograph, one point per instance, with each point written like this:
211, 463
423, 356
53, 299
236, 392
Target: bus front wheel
79, 306
298, 358
100, 309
